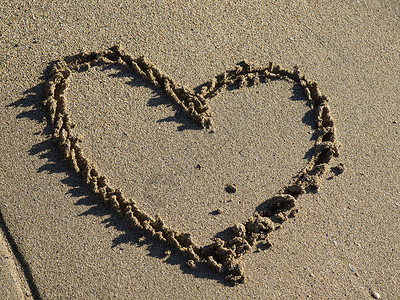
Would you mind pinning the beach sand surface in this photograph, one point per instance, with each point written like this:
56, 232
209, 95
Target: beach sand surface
343, 242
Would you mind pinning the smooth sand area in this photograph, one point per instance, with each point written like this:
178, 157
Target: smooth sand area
343, 242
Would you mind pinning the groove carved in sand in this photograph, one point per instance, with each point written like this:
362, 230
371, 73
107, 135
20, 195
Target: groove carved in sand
222, 255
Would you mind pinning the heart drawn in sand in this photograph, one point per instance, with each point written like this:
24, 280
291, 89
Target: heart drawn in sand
222, 255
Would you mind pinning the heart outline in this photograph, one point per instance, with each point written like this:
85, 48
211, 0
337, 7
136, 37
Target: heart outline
224, 256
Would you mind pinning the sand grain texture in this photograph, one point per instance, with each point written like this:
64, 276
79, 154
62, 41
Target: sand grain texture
343, 243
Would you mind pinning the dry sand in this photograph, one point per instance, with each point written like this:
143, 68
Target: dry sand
344, 240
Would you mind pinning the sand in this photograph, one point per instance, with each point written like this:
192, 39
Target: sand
343, 240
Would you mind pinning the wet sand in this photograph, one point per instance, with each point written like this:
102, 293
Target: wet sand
331, 234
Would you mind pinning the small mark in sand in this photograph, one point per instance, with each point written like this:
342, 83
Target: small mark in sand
218, 211
191, 264
375, 294
339, 169
230, 188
